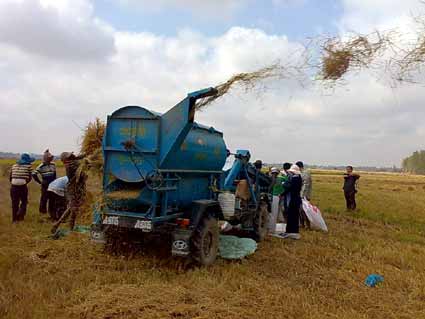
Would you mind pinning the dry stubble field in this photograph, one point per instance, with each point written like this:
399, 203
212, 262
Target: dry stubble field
320, 276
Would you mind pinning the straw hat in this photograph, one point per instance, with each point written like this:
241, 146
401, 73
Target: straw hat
274, 170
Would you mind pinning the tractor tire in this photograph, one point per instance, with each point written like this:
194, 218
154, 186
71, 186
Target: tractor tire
205, 241
260, 223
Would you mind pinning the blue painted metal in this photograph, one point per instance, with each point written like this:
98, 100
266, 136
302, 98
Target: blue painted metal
242, 159
140, 145
239, 171
136, 124
169, 159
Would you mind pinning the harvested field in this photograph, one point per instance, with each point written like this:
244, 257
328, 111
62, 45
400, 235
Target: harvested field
320, 276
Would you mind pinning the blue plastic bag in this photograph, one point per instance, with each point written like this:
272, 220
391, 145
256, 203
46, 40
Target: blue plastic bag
232, 247
373, 279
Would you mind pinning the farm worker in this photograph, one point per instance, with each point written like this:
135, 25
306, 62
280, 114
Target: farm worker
307, 181
285, 176
293, 202
276, 188
350, 183
258, 164
57, 190
76, 188
278, 191
44, 174
20, 176
305, 192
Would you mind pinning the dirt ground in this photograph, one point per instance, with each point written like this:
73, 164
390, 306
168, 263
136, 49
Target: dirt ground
320, 276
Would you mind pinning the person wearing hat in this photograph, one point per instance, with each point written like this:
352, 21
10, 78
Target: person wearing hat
20, 176
293, 202
276, 189
75, 189
44, 174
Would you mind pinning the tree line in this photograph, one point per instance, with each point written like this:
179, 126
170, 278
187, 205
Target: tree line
415, 163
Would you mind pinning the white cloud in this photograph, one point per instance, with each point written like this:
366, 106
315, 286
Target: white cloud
55, 29
366, 16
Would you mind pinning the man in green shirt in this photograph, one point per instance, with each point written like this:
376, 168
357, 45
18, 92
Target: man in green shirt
277, 190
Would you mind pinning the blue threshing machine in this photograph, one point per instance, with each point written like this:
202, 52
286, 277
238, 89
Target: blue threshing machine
163, 175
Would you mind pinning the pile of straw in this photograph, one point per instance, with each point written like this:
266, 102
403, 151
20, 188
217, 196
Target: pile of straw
92, 137
91, 148
340, 56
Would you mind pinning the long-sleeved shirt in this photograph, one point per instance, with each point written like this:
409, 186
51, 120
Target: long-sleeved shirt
47, 171
58, 186
293, 187
278, 187
306, 189
20, 174
350, 182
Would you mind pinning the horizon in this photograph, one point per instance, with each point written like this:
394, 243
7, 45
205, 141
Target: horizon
336, 166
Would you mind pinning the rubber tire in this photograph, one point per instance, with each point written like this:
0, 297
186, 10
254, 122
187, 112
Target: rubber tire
207, 233
260, 223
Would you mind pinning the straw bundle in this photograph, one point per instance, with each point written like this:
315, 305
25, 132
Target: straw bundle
92, 138
91, 148
340, 56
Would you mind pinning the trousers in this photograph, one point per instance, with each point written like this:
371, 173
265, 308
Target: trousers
293, 225
19, 197
350, 199
44, 199
275, 213
57, 205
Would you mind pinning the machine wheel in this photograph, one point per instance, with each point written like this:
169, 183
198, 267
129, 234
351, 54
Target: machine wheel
205, 241
260, 223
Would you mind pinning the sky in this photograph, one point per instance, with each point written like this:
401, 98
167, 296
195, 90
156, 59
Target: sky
65, 62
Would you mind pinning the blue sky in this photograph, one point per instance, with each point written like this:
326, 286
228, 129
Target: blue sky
297, 19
